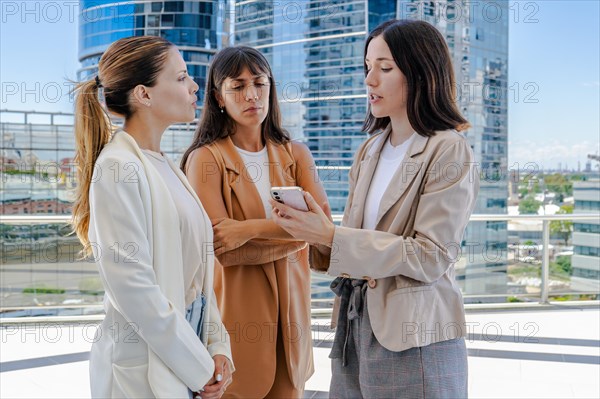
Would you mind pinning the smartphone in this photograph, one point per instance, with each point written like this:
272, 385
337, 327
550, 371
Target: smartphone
290, 196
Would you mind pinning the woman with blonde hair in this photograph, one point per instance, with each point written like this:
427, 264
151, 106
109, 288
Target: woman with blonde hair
413, 184
137, 215
239, 152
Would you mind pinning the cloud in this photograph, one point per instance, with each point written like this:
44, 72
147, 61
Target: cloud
551, 153
594, 83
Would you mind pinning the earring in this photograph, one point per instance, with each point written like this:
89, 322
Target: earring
148, 104
255, 97
221, 109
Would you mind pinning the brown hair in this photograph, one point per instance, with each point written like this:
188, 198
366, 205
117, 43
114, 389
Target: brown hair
422, 55
214, 125
126, 63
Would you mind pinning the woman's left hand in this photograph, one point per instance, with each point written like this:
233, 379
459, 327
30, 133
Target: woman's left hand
221, 379
314, 226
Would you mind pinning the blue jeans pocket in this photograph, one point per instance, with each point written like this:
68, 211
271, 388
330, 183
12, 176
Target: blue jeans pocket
194, 314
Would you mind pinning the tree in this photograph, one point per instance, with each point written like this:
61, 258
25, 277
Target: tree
562, 266
523, 192
529, 206
565, 263
559, 184
563, 228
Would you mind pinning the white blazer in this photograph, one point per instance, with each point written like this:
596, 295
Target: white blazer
145, 347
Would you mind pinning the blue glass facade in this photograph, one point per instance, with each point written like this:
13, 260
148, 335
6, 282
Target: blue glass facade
194, 26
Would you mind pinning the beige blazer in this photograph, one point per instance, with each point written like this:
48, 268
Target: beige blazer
408, 260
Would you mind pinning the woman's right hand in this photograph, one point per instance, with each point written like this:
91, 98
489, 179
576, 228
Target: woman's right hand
314, 226
229, 235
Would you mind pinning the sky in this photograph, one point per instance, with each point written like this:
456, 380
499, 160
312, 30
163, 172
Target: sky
554, 68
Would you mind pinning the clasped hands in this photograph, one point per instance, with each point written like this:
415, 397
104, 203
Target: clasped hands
216, 386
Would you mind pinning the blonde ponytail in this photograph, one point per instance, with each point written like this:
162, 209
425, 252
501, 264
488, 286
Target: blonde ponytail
92, 132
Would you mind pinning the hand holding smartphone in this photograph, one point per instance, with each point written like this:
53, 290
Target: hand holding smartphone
292, 196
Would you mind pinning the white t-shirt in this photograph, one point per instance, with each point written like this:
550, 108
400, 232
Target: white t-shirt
191, 219
257, 171
390, 159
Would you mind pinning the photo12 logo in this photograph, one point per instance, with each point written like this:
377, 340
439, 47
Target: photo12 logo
39, 11
470, 11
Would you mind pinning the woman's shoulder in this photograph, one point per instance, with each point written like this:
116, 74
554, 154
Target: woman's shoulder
450, 136
114, 154
118, 168
447, 138
298, 149
204, 158
217, 143
447, 141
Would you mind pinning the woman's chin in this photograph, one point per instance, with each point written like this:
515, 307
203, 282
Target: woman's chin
190, 118
379, 114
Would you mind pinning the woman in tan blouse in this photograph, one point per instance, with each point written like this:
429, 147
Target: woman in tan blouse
263, 283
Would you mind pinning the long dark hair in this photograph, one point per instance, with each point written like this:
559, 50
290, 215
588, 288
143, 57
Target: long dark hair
215, 125
125, 64
422, 55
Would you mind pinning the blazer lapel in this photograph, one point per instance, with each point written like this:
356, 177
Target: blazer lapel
244, 189
365, 173
406, 173
280, 166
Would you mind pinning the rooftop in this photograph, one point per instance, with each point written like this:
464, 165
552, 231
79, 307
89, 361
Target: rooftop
550, 351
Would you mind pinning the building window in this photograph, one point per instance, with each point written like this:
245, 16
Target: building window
587, 205
174, 6
586, 228
586, 251
153, 21
166, 20
157, 6
586, 273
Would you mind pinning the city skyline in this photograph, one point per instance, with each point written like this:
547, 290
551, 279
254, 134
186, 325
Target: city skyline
553, 74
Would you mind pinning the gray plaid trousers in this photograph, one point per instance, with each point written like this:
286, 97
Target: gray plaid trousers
362, 368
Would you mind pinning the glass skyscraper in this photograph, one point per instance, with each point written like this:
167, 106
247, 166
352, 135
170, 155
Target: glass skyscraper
198, 28
316, 51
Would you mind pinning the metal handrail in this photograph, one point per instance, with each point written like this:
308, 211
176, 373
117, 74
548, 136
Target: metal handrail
337, 217
546, 219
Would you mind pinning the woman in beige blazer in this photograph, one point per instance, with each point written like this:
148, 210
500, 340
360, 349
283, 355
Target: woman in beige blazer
413, 186
263, 282
139, 219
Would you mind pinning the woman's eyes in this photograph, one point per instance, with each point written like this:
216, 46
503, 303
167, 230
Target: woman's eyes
383, 69
258, 84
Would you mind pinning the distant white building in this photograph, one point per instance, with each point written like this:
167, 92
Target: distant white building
586, 237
